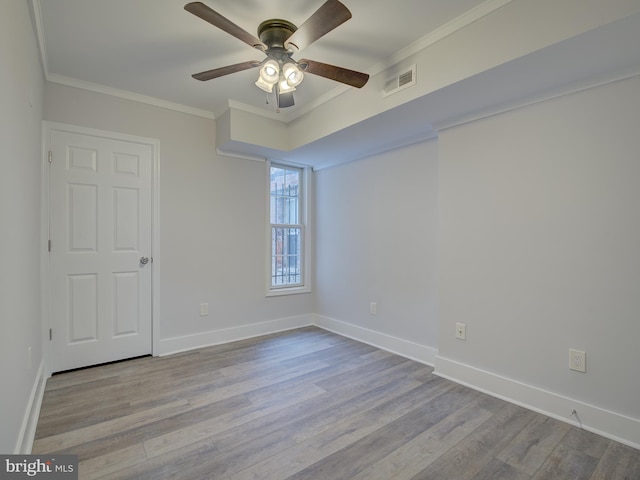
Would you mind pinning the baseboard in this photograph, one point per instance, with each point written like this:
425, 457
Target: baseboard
31, 414
184, 343
405, 348
603, 422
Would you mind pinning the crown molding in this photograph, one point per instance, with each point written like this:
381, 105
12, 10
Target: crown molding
127, 95
39, 31
97, 88
254, 158
458, 23
445, 30
563, 91
449, 28
273, 115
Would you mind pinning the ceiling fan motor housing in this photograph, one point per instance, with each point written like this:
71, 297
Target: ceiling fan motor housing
274, 33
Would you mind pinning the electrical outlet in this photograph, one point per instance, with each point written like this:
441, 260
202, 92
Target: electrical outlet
461, 331
578, 361
204, 309
373, 308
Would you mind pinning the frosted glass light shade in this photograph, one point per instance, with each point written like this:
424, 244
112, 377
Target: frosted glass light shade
292, 74
284, 87
269, 73
262, 85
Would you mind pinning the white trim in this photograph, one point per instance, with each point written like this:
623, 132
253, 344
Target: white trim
547, 95
388, 147
603, 422
45, 202
48, 127
458, 23
306, 209
127, 95
467, 18
42, 47
24, 443
169, 346
405, 348
267, 226
107, 134
253, 158
97, 88
279, 292
270, 114
155, 249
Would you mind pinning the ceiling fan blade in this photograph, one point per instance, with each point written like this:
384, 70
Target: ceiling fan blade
326, 18
220, 72
339, 74
199, 9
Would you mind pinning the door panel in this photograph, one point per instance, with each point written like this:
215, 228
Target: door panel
82, 291
83, 216
100, 222
126, 301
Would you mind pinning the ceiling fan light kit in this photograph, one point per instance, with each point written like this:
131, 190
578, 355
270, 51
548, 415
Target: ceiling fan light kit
284, 87
279, 40
269, 75
292, 74
262, 85
287, 77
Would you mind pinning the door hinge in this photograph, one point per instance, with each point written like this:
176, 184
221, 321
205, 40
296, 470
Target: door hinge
49, 245
50, 334
50, 157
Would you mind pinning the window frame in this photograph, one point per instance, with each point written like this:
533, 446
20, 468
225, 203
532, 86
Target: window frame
305, 231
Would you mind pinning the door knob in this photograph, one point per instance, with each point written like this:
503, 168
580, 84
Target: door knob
144, 260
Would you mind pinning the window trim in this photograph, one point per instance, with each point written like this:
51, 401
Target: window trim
304, 208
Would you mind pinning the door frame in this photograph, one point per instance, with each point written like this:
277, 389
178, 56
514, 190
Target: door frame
45, 202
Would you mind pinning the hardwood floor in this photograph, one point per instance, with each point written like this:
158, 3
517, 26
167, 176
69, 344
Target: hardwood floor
306, 404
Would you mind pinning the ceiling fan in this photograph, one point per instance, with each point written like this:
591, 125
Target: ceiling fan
279, 40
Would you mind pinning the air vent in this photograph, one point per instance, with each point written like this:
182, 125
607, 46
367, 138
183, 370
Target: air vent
401, 81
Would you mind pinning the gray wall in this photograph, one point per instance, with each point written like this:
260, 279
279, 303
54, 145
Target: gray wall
212, 215
534, 212
538, 245
376, 242
21, 86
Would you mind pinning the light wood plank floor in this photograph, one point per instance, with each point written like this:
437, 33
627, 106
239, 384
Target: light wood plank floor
306, 404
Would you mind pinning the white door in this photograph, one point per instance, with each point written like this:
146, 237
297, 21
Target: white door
100, 231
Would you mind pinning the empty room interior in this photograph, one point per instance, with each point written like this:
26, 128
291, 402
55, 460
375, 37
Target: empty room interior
443, 217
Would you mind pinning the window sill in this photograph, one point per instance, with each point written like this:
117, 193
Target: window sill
278, 292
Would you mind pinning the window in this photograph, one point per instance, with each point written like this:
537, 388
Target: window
287, 229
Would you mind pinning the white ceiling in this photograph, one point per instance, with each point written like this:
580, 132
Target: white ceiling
151, 47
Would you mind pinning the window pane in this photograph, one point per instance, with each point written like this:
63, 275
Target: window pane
284, 196
286, 230
286, 256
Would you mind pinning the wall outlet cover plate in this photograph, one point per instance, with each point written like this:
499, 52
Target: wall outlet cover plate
578, 361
